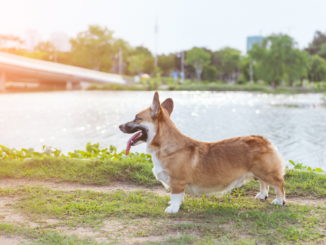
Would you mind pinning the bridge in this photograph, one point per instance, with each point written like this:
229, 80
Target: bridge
14, 68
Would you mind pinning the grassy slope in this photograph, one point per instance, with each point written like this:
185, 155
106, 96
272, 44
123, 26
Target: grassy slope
136, 170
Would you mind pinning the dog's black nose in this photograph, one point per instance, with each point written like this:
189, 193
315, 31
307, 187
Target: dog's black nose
121, 126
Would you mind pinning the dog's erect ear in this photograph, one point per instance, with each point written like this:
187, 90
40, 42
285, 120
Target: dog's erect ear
155, 107
168, 105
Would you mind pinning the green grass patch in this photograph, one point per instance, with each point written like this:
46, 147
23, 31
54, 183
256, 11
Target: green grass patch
203, 219
103, 166
42, 236
90, 166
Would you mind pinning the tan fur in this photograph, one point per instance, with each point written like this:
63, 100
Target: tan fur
212, 166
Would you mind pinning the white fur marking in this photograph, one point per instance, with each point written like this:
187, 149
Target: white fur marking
262, 195
278, 201
196, 190
175, 203
160, 173
151, 131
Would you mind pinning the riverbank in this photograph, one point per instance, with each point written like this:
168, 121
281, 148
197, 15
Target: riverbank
101, 196
213, 86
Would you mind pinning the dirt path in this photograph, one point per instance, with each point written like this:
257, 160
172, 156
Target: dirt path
68, 186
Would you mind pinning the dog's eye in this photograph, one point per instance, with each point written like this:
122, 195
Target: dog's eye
137, 118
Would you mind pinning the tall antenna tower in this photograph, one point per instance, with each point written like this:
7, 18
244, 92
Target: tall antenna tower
156, 40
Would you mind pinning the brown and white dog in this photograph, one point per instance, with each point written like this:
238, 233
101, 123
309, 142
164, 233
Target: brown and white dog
187, 165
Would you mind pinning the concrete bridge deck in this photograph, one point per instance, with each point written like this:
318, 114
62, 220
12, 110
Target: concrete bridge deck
21, 69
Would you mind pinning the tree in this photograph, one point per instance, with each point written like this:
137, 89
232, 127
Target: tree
198, 58
277, 59
297, 65
317, 45
210, 73
227, 61
93, 48
317, 69
246, 67
121, 50
136, 63
167, 63
45, 51
140, 60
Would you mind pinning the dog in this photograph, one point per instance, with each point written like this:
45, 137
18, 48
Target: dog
183, 164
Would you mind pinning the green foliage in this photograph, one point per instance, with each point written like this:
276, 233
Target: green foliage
198, 58
317, 45
46, 50
277, 59
227, 61
210, 73
301, 166
305, 183
246, 65
92, 166
136, 63
93, 48
167, 63
140, 61
317, 69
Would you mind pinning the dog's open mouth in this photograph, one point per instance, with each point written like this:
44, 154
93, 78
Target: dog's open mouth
140, 135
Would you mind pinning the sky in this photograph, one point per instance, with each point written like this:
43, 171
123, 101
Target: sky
182, 24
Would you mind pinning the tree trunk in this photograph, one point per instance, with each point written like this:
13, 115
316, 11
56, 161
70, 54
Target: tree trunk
198, 73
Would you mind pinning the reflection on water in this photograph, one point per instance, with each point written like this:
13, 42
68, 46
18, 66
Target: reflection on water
68, 120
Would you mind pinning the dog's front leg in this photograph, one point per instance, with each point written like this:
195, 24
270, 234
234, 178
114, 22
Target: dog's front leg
176, 198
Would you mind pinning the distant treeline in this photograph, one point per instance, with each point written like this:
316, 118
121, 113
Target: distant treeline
275, 60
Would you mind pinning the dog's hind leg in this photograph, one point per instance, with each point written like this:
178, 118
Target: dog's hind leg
277, 181
263, 193
280, 194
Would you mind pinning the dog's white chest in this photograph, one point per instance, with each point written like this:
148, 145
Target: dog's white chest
159, 172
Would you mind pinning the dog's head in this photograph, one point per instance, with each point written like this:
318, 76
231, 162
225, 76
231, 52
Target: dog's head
145, 123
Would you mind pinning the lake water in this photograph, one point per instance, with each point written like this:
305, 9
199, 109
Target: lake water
296, 124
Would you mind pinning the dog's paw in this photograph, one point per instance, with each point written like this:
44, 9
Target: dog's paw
261, 196
278, 201
172, 209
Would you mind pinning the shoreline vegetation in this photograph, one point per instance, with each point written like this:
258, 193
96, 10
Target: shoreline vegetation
136, 216
211, 86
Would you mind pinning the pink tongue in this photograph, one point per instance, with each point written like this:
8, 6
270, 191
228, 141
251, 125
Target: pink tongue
131, 140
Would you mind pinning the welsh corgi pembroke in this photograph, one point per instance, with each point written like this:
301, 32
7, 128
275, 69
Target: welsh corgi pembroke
184, 164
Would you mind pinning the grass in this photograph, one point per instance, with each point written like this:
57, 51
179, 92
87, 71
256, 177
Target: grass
201, 220
253, 87
90, 166
42, 236
89, 171
103, 166
138, 216
211, 86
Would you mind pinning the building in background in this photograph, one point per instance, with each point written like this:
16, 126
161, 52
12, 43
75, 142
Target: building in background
251, 40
